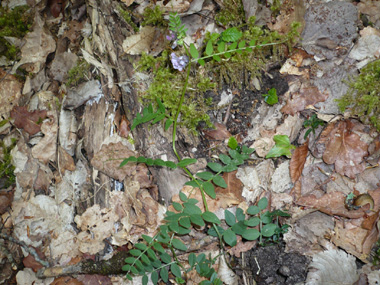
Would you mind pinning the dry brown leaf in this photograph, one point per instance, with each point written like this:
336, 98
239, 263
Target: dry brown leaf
65, 160
141, 42
108, 160
220, 133
29, 121
234, 186
87, 279
332, 204
299, 55
67, 280
297, 162
306, 96
241, 247
344, 148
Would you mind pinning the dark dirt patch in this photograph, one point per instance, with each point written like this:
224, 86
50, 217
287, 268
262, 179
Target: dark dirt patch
272, 265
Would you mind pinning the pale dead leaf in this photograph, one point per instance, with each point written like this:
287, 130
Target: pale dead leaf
141, 42
344, 148
10, 92
305, 97
39, 44
108, 160
65, 160
297, 162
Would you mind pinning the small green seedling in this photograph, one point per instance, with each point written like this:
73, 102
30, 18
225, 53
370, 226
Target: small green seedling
312, 123
271, 98
282, 147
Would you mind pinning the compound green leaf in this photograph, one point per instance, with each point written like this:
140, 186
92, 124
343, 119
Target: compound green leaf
135, 252
251, 234
177, 206
126, 267
183, 196
159, 162
141, 159
282, 147
164, 274
145, 259
217, 58
170, 164
179, 244
232, 143
129, 277
140, 246
186, 161
268, 230
174, 268
240, 215
233, 46
230, 218
201, 62
209, 189
231, 35
229, 237
193, 51
130, 260
209, 48
166, 258
224, 158
191, 209
151, 254
154, 277
263, 203
192, 183
252, 222
192, 259
253, 210
168, 123
241, 44
158, 247
185, 222
215, 166
145, 280
210, 217
205, 175
197, 220
239, 228
219, 181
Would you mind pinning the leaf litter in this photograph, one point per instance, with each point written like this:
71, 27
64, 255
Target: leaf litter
78, 181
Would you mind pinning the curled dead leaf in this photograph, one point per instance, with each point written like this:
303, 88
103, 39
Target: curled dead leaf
297, 162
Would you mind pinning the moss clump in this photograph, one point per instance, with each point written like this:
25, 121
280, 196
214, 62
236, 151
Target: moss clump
231, 13
127, 16
6, 167
363, 96
153, 17
78, 73
13, 23
167, 86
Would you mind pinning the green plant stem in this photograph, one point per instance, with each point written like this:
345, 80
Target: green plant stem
234, 50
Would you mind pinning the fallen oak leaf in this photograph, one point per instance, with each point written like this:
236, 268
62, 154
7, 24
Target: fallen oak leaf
29, 121
297, 162
344, 149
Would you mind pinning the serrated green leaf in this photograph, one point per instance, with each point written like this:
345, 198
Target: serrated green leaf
252, 43
185, 222
251, 234
241, 44
263, 203
239, 228
130, 260
186, 161
179, 244
161, 106
253, 210
230, 218
177, 206
232, 46
214, 36
164, 274
215, 166
206, 175
232, 143
196, 219
221, 46
210, 217
224, 158
165, 258
252, 222
209, 189
282, 147
158, 247
193, 51
145, 279
249, 49
219, 181
168, 123
135, 252
268, 230
140, 246
230, 237
201, 62
231, 35
191, 209
183, 196
217, 58
174, 268
154, 277
209, 48
240, 215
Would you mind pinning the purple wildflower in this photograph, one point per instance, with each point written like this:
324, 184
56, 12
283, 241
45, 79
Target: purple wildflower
172, 36
179, 62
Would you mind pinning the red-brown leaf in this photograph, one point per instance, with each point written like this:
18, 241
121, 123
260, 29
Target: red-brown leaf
297, 162
29, 121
